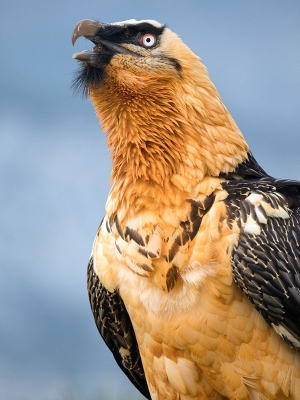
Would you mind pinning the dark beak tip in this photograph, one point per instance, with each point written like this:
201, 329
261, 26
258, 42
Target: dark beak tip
85, 27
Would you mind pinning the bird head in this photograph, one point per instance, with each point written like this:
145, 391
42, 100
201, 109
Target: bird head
132, 53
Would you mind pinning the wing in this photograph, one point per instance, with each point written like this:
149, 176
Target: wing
266, 259
115, 327
248, 169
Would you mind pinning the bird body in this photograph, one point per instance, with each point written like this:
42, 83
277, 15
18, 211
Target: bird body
194, 276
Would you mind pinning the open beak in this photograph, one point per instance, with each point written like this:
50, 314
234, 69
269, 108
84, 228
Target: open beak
88, 29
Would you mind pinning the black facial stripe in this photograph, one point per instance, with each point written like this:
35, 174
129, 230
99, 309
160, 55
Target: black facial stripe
175, 63
127, 33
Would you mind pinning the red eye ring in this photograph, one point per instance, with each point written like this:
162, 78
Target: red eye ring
148, 40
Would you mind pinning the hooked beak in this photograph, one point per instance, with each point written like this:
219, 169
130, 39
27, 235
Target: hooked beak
86, 28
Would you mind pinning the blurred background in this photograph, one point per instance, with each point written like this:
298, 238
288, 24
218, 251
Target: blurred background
55, 167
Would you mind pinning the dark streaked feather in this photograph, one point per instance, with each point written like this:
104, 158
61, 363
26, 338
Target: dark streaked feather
115, 327
267, 266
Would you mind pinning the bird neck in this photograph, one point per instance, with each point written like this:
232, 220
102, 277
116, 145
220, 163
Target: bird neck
165, 136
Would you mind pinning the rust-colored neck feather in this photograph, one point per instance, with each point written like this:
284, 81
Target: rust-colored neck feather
165, 134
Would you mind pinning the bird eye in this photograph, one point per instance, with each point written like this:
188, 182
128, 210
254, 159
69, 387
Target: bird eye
148, 40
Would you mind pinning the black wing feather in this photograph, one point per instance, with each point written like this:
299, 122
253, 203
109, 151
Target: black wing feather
267, 266
114, 325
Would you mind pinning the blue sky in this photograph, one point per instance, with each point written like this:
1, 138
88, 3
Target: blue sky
54, 166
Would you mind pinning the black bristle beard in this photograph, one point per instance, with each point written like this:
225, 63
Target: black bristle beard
90, 75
